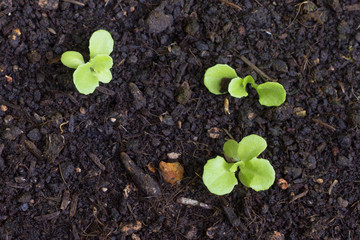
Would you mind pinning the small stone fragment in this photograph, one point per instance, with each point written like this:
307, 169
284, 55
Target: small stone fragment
171, 172
139, 99
3, 108
34, 135
142, 180
184, 94
283, 184
342, 202
49, 4
130, 228
173, 155
214, 132
320, 181
11, 133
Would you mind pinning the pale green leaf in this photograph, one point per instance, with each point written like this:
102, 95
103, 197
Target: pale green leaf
104, 76
237, 88
84, 79
101, 62
72, 59
101, 42
250, 147
214, 75
217, 176
271, 94
230, 149
257, 174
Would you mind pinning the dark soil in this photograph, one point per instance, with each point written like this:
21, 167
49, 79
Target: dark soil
62, 175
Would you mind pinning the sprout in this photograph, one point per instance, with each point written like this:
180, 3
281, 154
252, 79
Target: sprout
87, 75
221, 79
256, 173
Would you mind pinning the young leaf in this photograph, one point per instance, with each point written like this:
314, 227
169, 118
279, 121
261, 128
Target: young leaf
250, 147
237, 88
257, 174
104, 76
230, 149
72, 59
101, 62
101, 42
271, 94
217, 176
214, 75
84, 79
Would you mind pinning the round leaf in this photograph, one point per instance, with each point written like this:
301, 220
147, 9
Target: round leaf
271, 94
214, 75
217, 176
257, 174
237, 88
250, 147
104, 76
101, 62
84, 79
230, 149
72, 59
101, 42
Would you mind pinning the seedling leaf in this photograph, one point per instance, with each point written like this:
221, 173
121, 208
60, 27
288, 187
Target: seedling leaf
250, 147
271, 94
217, 176
237, 88
100, 42
104, 76
214, 75
101, 62
84, 79
257, 174
72, 59
230, 149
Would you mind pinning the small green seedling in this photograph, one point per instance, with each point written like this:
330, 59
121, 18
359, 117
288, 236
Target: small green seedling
222, 78
87, 75
256, 173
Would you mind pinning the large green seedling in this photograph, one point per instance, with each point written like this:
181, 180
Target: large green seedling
256, 173
87, 75
222, 78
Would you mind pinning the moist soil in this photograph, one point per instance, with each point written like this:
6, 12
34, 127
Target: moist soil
76, 166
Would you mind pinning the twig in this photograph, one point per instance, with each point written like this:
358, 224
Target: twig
324, 124
75, 2
332, 186
256, 69
303, 194
231, 4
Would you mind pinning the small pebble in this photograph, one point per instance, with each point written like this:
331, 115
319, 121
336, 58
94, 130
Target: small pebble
34, 135
24, 207
342, 202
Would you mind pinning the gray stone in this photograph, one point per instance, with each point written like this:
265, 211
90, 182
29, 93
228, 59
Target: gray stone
34, 135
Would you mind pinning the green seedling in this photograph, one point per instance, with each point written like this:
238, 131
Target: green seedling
88, 75
256, 173
222, 78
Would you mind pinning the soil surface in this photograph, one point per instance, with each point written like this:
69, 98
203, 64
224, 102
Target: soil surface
76, 166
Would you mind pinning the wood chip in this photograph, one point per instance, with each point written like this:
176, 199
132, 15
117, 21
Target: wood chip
33, 149
65, 200
96, 160
74, 203
47, 217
